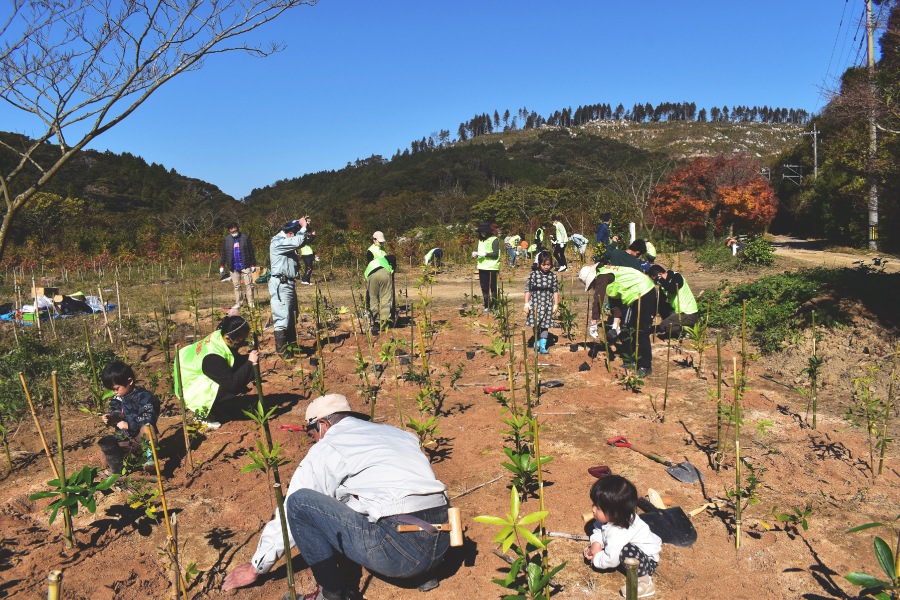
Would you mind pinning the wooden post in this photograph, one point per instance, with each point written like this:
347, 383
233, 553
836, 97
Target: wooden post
173, 546
105, 316
119, 307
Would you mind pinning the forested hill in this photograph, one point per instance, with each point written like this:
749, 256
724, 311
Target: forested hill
449, 179
116, 183
443, 183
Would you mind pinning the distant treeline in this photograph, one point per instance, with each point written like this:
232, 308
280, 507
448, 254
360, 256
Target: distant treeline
640, 113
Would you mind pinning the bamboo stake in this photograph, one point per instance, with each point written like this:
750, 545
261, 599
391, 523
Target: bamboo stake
512, 390
5, 443
173, 547
365, 372
87, 341
397, 386
887, 412
737, 458
321, 360
279, 496
37, 424
67, 517
540, 477
119, 306
666, 392
815, 384
179, 393
54, 585
527, 374
605, 337
719, 456
105, 316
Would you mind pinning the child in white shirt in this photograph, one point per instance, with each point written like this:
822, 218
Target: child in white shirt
619, 533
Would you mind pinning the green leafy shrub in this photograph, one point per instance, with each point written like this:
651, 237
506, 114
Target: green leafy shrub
716, 256
758, 253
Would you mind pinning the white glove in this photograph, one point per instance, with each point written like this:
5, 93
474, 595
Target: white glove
527, 308
555, 309
593, 331
253, 269
317, 259
482, 254
221, 270
474, 255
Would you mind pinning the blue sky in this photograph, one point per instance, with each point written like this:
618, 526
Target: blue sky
361, 78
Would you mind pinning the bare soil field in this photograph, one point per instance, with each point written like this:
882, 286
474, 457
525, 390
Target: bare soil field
221, 511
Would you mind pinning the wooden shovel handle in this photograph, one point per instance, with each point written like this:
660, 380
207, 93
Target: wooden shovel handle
651, 456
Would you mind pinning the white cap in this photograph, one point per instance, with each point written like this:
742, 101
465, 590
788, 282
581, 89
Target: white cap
587, 274
379, 237
323, 406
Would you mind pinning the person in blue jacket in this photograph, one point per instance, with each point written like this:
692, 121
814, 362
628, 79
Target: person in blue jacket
604, 235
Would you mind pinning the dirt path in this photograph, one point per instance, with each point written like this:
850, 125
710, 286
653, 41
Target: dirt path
803, 250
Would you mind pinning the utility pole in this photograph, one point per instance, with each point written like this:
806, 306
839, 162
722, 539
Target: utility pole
873, 135
815, 134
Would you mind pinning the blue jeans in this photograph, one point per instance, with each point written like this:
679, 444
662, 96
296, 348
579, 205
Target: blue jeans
512, 256
328, 532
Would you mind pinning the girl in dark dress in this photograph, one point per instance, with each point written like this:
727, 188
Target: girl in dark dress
541, 299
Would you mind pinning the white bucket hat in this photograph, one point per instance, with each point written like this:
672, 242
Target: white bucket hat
587, 274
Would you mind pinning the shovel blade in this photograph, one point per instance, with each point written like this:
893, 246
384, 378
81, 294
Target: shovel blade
672, 526
685, 472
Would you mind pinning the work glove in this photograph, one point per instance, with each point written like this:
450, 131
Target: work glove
317, 259
253, 269
221, 270
481, 254
526, 309
474, 255
593, 332
555, 309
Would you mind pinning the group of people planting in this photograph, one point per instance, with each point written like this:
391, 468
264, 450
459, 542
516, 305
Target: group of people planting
360, 481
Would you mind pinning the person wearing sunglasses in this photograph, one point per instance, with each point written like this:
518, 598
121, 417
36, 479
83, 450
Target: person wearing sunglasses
357, 483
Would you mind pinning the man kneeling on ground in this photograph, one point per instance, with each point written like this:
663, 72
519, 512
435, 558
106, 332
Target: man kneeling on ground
358, 482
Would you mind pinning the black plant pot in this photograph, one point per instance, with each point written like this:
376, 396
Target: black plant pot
404, 360
314, 361
573, 347
470, 355
379, 368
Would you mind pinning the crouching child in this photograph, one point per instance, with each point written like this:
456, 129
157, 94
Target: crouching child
619, 533
133, 413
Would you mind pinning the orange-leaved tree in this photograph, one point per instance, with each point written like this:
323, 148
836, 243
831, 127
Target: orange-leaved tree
711, 194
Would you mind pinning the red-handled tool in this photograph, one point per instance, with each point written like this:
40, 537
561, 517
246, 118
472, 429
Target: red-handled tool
289, 428
683, 471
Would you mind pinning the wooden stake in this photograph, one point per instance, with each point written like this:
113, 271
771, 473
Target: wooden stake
173, 546
54, 585
666, 392
119, 307
105, 316
737, 458
719, 403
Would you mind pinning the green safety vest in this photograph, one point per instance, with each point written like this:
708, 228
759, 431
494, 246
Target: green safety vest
306, 250
429, 255
539, 236
629, 285
378, 261
684, 302
561, 236
651, 250
514, 241
488, 264
199, 390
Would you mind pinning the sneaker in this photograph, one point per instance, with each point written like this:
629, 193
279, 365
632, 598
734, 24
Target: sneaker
251, 305
563, 268
236, 306
486, 311
210, 424
644, 588
305, 283
225, 278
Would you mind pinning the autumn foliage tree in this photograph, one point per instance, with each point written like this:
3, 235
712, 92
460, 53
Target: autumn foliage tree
714, 194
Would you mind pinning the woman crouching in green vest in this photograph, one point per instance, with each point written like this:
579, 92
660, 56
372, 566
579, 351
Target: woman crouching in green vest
632, 298
488, 255
214, 373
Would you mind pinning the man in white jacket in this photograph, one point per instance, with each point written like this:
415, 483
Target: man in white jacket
357, 483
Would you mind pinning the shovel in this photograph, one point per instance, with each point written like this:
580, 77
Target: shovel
684, 472
555, 383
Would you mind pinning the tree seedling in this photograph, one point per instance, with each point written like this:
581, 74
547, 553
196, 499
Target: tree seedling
796, 519
527, 577
79, 488
888, 560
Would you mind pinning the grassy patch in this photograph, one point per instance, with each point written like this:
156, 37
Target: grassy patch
774, 302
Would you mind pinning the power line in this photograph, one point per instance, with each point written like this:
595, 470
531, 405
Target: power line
836, 38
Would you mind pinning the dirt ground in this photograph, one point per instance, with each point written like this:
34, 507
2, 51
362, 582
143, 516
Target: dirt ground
221, 511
